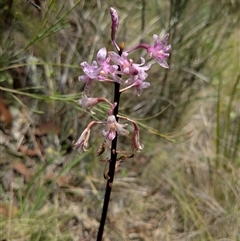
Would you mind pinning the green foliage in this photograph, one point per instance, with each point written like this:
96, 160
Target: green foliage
227, 125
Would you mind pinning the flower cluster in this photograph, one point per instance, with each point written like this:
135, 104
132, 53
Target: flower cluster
118, 68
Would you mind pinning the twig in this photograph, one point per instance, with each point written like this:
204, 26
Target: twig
34, 4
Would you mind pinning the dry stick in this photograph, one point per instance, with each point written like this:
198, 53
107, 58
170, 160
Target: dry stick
111, 166
34, 4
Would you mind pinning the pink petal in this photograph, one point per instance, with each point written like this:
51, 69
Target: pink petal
101, 55
111, 135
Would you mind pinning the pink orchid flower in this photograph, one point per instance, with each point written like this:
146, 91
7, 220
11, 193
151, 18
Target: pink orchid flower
114, 127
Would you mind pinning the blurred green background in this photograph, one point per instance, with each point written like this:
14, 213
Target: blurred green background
184, 185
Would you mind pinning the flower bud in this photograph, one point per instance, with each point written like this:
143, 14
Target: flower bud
115, 20
114, 27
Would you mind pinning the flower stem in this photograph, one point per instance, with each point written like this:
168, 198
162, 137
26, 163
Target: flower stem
111, 167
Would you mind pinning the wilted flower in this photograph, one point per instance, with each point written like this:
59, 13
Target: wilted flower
82, 142
87, 102
136, 139
136, 135
112, 127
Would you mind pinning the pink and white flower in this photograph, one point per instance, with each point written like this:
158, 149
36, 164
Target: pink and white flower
160, 50
114, 127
